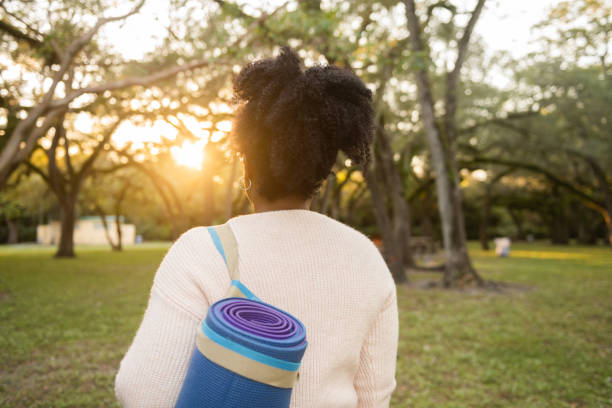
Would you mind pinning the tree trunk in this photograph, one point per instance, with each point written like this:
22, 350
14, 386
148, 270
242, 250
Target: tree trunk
608, 220
518, 223
559, 229
330, 185
13, 231
395, 189
426, 216
180, 214
559, 232
585, 235
335, 204
170, 216
102, 215
391, 249
484, 221
175, 215
67, 221
582, 235
336, 210
458, 269
353, 199
124, 190
606, 194
119, 245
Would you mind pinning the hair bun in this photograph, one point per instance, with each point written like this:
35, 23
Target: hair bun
260, 76
293, 122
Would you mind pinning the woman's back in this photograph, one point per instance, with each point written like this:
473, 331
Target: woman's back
325, 273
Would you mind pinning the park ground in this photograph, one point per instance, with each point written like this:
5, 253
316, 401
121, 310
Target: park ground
65, 325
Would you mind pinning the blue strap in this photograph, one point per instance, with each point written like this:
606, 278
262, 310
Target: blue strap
217, 241
245, 290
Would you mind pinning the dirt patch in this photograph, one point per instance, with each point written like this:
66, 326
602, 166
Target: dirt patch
489, 287
5, 296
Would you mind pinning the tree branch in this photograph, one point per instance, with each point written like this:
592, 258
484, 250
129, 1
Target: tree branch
234, 10
67, 159
111, 169
452, 78
56, 178
18, 35
498, 121
439, 4
87, 164
462, 46
77, 45
10, 156
538, 169
32, 139
38, 171
132, 81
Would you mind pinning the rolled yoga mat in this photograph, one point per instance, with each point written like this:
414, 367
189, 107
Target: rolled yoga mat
247, 355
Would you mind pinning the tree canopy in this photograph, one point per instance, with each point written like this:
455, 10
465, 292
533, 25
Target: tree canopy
458, 154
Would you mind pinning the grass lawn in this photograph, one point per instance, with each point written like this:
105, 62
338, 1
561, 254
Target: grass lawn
67, 323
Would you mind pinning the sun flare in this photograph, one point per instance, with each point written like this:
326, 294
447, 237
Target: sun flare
189, 154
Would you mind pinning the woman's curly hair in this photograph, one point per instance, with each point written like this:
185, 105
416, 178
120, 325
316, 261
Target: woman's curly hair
290, 123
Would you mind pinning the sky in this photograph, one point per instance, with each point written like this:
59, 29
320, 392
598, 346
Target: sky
504, 25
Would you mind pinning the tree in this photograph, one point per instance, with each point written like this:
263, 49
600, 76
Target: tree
108, 193
23, 203
565, 135
442, 144
62, 53
11, 211
66, 180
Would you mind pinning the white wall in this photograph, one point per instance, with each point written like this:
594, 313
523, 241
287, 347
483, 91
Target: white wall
88, 231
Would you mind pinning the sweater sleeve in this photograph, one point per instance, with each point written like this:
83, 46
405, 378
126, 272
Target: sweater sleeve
153, 369
375, 378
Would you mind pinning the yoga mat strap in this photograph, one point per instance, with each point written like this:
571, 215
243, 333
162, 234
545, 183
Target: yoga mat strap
231, 247
226, 244
233, 291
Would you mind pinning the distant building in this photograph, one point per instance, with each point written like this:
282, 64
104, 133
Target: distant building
87, 230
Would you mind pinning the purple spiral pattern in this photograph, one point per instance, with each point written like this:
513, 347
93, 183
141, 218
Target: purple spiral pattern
259, 326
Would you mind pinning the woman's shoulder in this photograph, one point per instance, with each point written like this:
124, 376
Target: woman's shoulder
192, 237
181, 272
188, 247
357, 238
362, 247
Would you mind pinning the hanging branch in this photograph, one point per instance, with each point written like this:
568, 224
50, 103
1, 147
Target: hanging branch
452, 78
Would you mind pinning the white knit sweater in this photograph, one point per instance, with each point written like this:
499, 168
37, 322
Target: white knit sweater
324, 272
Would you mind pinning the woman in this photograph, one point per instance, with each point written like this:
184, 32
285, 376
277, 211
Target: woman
288, 129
